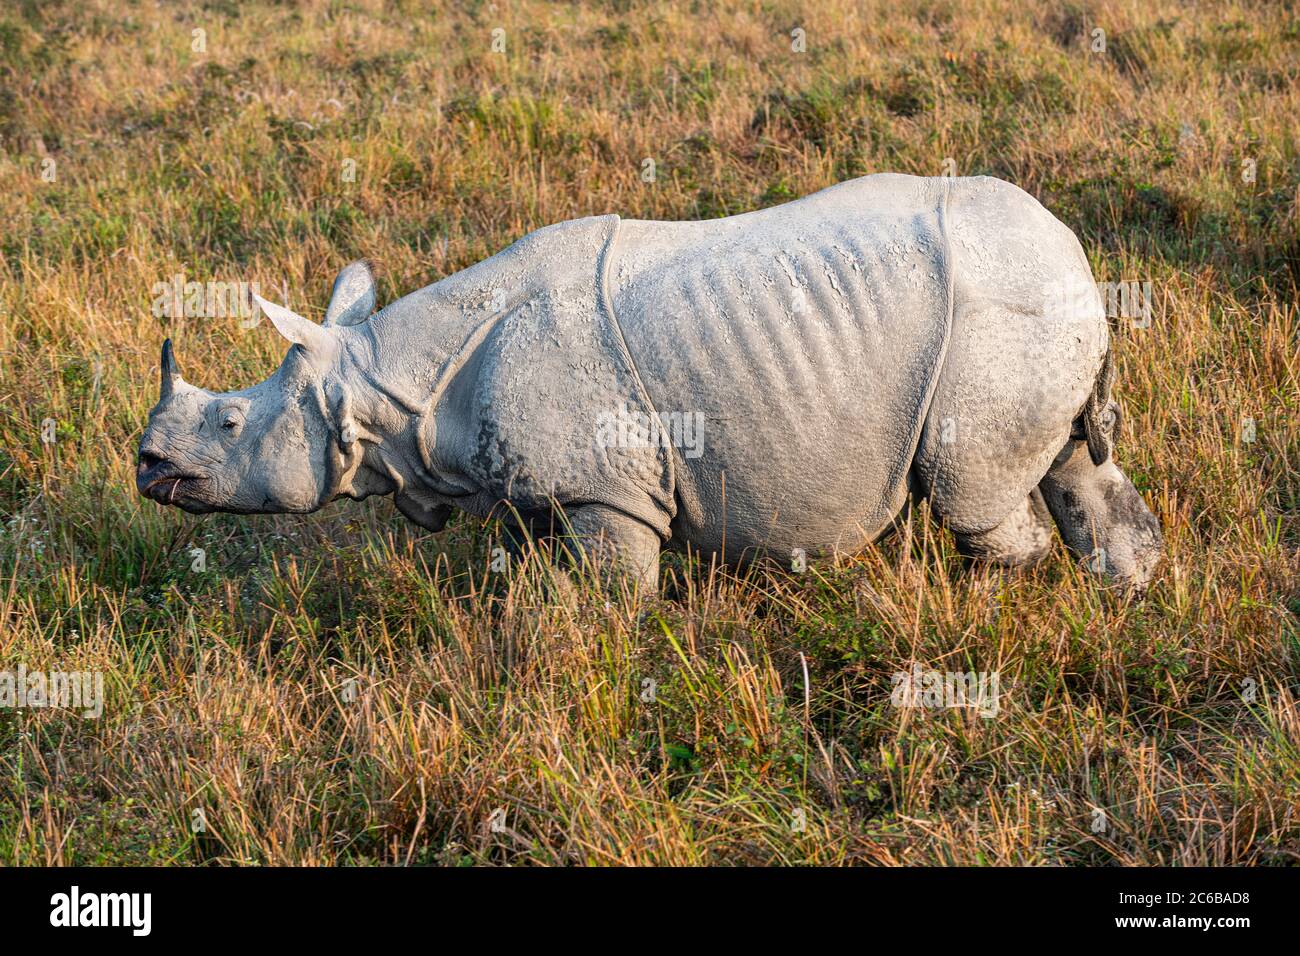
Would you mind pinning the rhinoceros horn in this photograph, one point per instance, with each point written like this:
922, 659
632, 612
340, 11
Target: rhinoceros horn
170, 372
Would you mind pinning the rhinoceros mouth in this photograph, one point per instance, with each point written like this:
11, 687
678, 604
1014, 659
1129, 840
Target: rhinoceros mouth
172, 489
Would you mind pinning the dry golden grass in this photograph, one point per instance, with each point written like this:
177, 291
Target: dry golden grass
341, 689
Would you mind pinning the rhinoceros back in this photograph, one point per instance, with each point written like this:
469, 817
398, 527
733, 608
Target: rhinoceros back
805, 340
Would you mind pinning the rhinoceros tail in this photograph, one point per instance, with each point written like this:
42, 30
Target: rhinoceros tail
1101, 415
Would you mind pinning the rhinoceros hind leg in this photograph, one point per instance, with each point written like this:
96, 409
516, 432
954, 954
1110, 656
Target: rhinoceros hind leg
1102, 517
614, 541
1022, 538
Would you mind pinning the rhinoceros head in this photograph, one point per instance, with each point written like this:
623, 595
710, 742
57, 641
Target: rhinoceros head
280, 446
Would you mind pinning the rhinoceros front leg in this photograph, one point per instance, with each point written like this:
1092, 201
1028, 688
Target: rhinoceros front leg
1102, 517
429, 517
613, 541
1022, 538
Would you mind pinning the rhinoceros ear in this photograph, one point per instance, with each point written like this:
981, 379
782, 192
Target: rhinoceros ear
300, 331
354, 296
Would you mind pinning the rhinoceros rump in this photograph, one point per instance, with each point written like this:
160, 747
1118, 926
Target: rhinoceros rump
771, 383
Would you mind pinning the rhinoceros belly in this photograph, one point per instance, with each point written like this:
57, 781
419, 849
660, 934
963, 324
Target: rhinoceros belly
790, 355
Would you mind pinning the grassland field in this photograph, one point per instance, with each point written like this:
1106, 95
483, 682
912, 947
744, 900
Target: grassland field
345, 689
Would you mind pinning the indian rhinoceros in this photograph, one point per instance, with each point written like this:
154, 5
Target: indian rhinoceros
775, 383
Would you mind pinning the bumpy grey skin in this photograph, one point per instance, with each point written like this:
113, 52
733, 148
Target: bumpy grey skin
888, 336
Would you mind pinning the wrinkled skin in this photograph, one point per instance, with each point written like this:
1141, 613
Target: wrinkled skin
885, 339
271, 449
238, 451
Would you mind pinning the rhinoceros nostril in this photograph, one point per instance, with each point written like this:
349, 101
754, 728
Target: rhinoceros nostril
149, 461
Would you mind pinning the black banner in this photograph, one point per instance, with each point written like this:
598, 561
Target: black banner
299, 906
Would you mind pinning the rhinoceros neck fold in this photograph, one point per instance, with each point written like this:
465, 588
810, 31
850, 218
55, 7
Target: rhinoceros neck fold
403, 360
397, 388
466, 375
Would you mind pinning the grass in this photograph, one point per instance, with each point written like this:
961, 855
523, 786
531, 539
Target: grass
342, 689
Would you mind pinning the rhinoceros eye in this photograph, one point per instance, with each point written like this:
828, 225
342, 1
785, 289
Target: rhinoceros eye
231, 419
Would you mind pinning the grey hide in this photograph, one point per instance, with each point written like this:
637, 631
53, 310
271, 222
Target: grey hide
773, 383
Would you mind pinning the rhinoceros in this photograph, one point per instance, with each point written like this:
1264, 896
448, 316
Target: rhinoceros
777, 383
